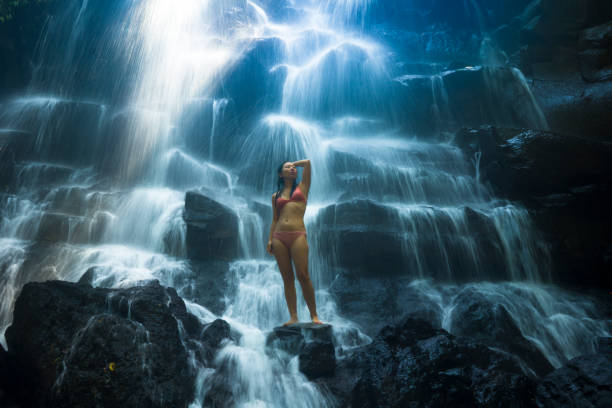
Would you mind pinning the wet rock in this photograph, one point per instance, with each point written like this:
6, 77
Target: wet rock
252, 86
346, 228
521, 162
317, 359
564, 181
213, 336
578, 109
215, 333
88, 277
82, 346
312, 342
604, 345
475, 316
414, 364
60, 227
42, 174
209, 286
562, 48
54, 227
212, 228
368, 301
585, 381
405, 243
7, 380
286, 339
596, 53
8, 140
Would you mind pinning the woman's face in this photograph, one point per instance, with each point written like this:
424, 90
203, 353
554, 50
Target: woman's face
289, 171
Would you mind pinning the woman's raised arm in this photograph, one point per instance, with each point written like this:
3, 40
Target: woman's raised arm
306, 174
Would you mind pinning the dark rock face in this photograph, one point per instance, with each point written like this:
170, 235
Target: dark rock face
212, 228
312, 342
414, 364
565, 48
209, 285
480, 319
18, 38
529, 163
75, 345
564, 181
596, 53
369, 302
585, 381
212, 337
7, 382
465, 97
411, 363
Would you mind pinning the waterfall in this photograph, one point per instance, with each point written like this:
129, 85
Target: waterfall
131, 110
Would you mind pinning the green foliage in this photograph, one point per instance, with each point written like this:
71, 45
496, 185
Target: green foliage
8, 7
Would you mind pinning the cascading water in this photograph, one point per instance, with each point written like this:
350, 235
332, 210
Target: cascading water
105, 188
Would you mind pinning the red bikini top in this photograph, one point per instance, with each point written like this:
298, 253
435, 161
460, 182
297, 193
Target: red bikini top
296, 196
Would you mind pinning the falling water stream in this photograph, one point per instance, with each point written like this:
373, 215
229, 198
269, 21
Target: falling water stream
117, 206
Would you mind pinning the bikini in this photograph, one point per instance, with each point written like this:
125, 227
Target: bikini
287, 237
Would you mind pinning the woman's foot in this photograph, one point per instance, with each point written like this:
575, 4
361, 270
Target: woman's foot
316, 320
291, 321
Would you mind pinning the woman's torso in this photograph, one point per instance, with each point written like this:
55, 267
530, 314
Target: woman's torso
291, 211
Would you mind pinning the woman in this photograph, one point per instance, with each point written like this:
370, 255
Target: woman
288, 235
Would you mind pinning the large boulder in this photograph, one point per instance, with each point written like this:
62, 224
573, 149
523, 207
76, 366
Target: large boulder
74, 345
212, 228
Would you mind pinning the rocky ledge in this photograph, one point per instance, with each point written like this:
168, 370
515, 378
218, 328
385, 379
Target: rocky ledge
72, 345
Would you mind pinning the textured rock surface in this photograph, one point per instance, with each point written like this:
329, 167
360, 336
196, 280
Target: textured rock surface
74, 345
313, 343
212, 228
486, 322
585, 381
414, 364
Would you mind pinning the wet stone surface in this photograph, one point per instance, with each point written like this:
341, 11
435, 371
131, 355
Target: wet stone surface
312, 342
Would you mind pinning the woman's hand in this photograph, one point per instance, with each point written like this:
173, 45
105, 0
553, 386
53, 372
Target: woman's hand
269, 246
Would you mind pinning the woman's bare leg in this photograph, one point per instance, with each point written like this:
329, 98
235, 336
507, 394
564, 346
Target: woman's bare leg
283, 258
299, 254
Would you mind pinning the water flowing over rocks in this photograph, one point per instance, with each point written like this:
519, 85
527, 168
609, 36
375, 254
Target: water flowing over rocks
565, 182
490, 323
458, 219
313, 343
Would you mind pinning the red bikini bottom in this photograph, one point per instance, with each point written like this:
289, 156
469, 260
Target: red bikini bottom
287, 237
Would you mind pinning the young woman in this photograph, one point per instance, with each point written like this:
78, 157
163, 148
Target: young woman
288, 235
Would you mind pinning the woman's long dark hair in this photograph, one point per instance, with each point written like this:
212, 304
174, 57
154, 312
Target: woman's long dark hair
281, 181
